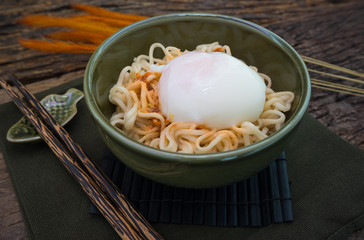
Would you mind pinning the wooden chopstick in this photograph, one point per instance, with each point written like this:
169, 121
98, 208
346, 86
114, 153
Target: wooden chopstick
127, 222
135, 218
76, 171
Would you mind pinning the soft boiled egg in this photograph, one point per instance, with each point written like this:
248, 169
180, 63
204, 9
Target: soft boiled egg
214, 89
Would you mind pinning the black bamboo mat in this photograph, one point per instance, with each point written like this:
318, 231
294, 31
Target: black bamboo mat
262, 199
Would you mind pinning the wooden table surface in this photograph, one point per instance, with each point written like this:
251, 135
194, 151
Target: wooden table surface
329, 30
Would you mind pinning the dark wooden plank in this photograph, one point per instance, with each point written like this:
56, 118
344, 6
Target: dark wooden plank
334, 35
40, 66
12, 225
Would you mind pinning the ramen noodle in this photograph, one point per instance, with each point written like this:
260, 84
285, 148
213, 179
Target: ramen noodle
138, 114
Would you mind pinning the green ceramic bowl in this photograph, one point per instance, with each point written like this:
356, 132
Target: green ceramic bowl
251, 43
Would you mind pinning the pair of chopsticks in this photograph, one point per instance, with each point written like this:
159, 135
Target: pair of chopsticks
127, 222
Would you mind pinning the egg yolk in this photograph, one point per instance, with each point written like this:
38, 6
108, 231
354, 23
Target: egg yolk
214, 89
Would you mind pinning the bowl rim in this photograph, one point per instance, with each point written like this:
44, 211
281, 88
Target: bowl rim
207, 158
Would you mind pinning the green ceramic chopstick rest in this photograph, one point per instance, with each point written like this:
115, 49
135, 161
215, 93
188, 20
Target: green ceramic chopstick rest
61, 107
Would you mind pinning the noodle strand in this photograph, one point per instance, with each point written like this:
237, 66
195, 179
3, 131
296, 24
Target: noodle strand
138, 116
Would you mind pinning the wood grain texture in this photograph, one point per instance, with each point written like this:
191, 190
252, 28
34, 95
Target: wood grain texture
335, 36
11, 221
329, 30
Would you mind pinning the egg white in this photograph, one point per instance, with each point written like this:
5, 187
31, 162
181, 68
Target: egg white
214, 89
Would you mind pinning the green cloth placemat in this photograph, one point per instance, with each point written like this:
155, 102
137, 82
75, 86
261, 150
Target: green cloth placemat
326, 175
